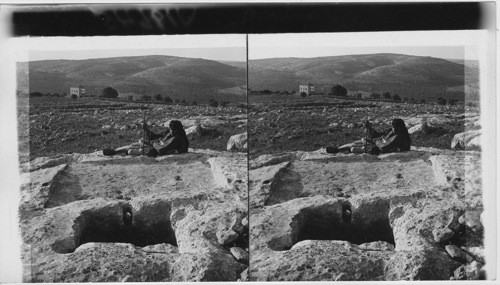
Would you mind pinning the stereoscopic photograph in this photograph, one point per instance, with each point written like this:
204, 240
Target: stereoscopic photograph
365, 158
189, 143
133, 159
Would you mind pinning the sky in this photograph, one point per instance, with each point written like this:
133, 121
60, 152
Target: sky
212, 47
440, 44
215, 53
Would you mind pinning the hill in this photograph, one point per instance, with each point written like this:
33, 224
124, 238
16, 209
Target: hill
415, 76
174, 76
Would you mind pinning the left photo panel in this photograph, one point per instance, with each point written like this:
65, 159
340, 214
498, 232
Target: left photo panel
132, 158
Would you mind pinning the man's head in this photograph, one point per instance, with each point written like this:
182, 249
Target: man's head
176, 127
398, 126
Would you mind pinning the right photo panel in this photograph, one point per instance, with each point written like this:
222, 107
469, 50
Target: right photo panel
365, 157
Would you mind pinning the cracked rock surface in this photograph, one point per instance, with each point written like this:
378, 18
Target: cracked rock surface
91, 218
400, 216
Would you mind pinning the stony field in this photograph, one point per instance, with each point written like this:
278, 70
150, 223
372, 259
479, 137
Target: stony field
62, 126
276, 126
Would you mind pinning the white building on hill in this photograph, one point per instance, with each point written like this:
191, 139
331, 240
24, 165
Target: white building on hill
78, 91
308, 89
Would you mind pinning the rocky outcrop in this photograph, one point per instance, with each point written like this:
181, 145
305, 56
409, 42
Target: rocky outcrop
238, 142
467, 140
399, 216
90, 218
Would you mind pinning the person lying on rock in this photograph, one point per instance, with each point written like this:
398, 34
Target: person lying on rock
393, 140
174, 141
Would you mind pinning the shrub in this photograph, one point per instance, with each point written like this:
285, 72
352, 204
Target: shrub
375, 96
213, 103
359, 95
224, 103
423, 101
158, 97
396, 97
441, 101
339, 90
194, 103
168, 99
74, 96
303, 94
109, 92
387, 95
36, 94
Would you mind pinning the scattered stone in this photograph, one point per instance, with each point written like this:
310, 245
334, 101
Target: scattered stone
244, 276
455, 253
442, 235
238, 142
464, 140
244, 221
472, 219
240, 254
226, 236
194, 130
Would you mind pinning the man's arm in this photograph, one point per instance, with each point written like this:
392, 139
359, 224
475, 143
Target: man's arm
371, 132
150, 135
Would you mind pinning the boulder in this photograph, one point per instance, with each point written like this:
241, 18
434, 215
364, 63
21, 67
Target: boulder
83, 219
238, 142
240, 254
466, 140
386, 225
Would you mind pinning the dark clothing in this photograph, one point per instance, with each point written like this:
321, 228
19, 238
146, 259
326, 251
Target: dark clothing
164, 144
389, 141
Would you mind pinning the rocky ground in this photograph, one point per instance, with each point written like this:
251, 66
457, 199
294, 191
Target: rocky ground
90, 218
313, 216
403, 216
52, 126
317, 121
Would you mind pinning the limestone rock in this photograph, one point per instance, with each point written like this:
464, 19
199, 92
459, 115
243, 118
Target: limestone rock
194, 130
229, 172
85, 219
206, 267
238, 142
472, 219
377, 245
455, 253
226, 237
471, 271
387, 226
240, 254
464, 140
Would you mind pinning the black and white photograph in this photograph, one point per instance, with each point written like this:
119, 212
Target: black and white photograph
133, 160
365, 161
249, 142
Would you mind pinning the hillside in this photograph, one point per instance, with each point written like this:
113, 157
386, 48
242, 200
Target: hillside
169, 75
396, 73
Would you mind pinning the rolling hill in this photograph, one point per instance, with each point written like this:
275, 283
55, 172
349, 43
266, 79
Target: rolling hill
173, 76
415, 76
